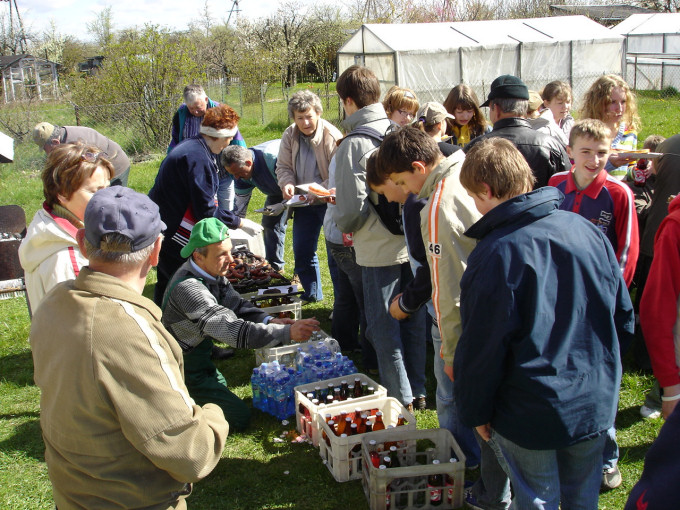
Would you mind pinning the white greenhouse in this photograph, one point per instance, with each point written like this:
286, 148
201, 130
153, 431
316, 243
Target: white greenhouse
652, 50
431, 58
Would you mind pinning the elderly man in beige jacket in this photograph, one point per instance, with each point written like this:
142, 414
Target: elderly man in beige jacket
119, 426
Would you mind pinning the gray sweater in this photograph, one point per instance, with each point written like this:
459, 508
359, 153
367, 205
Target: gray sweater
196, 308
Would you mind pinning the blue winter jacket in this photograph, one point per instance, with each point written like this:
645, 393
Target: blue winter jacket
543, 306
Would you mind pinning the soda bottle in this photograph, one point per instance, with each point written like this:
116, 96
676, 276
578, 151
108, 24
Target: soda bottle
379, 424
434, 484
449, 484
640, 172
373, 449
387, 490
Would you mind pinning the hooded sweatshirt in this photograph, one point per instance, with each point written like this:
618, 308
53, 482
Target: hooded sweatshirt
49, 254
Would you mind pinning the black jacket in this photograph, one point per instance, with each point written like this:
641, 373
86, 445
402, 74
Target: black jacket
544, 153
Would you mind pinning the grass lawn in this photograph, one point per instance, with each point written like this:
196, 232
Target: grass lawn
251, 473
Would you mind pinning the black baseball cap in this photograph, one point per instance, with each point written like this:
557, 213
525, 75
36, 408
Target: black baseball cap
507, 86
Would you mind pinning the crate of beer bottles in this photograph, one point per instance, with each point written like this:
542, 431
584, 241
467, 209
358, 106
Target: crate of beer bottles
285, 354
277, 305
341, 451
308, 411
412, 469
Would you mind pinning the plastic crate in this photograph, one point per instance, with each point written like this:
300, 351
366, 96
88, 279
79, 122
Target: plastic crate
416, 449
295, 307
285, 354
310, 426
343, 464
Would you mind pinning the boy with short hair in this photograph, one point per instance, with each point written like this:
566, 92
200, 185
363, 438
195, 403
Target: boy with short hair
543, 307
412, 159
601, 199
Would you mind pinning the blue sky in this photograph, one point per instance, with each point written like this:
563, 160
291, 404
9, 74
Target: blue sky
71, 16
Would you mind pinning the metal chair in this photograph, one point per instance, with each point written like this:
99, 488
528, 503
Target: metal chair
12, 231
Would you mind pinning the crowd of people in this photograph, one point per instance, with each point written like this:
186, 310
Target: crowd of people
512, 244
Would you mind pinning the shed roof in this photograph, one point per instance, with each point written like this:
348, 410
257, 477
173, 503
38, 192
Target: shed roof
434, 37
654, 23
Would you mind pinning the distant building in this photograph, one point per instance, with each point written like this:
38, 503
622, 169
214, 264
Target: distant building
607, 15
92, 65
25, 76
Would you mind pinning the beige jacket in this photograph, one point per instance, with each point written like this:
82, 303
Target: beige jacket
119, 427
324, 143
449, 212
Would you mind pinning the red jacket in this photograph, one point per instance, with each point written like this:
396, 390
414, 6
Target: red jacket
659, 305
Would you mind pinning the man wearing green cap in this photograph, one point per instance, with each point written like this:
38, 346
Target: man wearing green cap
200, 305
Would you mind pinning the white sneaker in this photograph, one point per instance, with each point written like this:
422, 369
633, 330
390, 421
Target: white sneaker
650, 413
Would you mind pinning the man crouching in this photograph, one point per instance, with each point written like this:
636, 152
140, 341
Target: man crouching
200, 305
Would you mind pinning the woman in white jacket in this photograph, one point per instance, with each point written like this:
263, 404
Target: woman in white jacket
49, 253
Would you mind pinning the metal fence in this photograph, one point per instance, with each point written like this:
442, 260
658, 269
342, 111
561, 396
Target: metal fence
144, 127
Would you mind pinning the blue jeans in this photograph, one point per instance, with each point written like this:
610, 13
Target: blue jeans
274, 234
492, 489
225, 193
307, 223
446, 406
400, 345
544, 479
610, 454
349, 317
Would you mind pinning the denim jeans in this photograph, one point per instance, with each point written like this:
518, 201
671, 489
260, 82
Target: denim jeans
400, 345
274, 234
349, 318
492, 489
610, 454
307, 223
544, 479
225, 193
446, 406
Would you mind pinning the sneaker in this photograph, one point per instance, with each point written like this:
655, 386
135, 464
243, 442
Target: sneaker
611, 478
471, 500
650, 412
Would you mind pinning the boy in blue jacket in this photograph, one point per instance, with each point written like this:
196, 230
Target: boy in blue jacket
543, 307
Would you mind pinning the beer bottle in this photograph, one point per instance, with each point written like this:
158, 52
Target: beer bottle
371, 390
379, 424
329, 399
317, 393
394, 457
357, 415
357, 387
373, 449
361, 426
344, 389
434, 484
337, 395
364, 389
350, 391
401, 420
331, 426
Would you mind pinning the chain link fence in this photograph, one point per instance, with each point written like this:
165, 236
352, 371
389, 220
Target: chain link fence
143, 128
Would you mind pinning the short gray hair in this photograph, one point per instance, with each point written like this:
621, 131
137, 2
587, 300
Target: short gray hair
193, 93
235, 154
115, 248
302, 101
519, 107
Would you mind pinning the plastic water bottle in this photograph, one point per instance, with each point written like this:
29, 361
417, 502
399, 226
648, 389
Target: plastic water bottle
255, 385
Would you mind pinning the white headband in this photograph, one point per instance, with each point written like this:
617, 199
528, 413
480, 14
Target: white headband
218, 133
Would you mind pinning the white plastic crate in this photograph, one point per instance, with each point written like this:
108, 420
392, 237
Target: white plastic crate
344, 464
406, 486
285, 354
295, 307
309, 425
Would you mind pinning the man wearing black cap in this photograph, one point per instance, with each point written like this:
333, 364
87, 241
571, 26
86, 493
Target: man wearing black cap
508, 102
119, 426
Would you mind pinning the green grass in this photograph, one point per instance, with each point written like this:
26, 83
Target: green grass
251, 473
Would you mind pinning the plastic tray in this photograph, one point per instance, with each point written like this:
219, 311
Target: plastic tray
408, 484
310, 426
344, 464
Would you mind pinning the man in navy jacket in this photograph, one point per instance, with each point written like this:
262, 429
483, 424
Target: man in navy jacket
543, 306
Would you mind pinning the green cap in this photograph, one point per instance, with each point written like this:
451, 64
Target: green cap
205, 232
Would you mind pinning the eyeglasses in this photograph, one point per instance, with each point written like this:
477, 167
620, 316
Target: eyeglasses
406, 114
93, 157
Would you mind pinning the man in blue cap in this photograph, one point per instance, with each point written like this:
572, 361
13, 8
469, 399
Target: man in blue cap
508, 102
200, 305
119, 426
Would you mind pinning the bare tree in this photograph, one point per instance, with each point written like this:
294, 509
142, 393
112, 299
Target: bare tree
102, 27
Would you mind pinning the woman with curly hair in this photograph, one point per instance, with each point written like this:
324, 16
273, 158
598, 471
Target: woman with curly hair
469, 121
49, 253
610, 100
186, 189
400, 105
